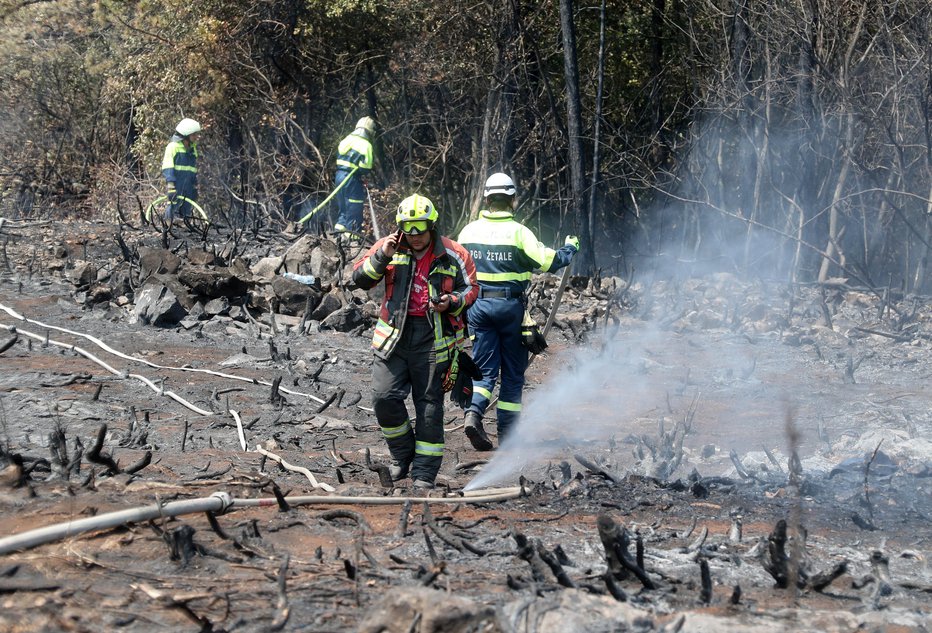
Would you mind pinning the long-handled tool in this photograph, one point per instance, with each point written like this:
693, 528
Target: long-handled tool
328, 198
556, 303
375, 221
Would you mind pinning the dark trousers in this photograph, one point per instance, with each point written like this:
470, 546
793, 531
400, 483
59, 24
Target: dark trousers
350, 199
412, 368
496, 325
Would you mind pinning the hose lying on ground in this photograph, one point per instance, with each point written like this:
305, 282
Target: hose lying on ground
219, 503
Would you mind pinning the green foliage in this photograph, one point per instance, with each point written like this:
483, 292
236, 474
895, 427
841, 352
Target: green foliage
718, 103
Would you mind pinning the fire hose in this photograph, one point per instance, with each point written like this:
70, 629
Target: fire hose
220, 503
320, 206
161, 199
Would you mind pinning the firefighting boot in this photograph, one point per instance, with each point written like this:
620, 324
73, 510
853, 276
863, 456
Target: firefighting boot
476, 434
397, 470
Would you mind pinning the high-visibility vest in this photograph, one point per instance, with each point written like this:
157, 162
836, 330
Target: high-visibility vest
355, 151
451, 271
179, 165
506, 252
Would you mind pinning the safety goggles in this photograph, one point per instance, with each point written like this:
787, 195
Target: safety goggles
414, 227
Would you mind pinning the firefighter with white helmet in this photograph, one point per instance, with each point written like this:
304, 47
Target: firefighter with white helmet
355, 160
505, 253
179, 168
429, 282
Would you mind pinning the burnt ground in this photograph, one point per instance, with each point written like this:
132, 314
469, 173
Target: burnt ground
695, 416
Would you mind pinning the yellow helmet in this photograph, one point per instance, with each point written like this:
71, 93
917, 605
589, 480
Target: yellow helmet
416, 214
366, 123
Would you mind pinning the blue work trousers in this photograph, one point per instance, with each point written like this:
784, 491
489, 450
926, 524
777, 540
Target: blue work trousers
350, 199
496, 325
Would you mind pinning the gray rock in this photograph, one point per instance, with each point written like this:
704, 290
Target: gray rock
200, 257
344, 319
83, 274
153, 261
157, 305
452, 614
264, 269
325, 262
329, 304
293, 296
220, 305
211, 284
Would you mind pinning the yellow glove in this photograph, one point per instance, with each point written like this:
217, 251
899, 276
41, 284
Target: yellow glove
572, 240
531, 336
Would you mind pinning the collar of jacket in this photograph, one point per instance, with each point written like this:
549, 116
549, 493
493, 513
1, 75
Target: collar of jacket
496, 215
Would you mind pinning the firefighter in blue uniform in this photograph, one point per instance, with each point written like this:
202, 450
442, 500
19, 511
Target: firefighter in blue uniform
505, 253
354, 161
179, 168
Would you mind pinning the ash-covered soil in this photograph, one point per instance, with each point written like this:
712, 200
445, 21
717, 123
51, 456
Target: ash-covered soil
673, 432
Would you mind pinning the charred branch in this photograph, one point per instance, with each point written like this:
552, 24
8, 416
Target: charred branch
615, 540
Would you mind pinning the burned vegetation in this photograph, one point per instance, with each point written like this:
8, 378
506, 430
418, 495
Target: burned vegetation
186, 442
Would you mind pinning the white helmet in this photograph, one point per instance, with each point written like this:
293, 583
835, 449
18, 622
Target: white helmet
187, 127
366, 123
500, 183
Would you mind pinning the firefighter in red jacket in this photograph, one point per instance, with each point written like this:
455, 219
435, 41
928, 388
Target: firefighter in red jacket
429, 282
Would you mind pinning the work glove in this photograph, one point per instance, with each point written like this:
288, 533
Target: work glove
453, 371
531, 336
467, 371
171, 194
572, 240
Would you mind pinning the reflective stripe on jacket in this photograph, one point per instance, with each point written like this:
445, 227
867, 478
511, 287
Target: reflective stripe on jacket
506, 252
179, 165
451, 272
355, 151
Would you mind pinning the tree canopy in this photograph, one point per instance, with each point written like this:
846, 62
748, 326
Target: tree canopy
787, 140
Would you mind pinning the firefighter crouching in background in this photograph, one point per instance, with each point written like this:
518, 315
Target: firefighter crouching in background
179, 167
429, 282
505, 253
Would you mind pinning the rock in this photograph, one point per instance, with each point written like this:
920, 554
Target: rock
343, 320
329, 304
181, 291
264, 269
434, 611
200, 257
220, 305
83, 274
157, 305
292, 296
154, 261
221, 282
325, 262
98, 293
300, 252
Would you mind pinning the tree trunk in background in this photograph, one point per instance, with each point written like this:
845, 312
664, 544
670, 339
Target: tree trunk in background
574, 125
810, 131
596, 133
657, 35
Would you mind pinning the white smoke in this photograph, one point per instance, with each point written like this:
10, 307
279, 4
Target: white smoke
569, 409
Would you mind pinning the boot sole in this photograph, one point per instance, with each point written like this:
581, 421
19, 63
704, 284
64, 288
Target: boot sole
478, 442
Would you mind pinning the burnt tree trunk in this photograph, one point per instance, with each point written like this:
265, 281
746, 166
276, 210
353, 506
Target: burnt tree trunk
574, 126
